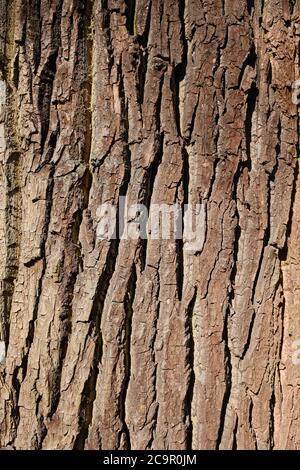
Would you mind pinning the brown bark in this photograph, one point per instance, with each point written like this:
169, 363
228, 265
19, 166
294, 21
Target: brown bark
142, 344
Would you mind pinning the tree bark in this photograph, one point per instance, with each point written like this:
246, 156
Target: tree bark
142, 344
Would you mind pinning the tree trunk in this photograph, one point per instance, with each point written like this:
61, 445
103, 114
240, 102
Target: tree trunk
143, 344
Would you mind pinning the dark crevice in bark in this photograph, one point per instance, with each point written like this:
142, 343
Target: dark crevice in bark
185, 176
237, 235
179, 71
16, 69
237, 230
106, 30
33, 30
271, 182
249, 336
228, 381
124, 112
42, 430
188, 138
217, 60
272, 404
15, 411
283, 253
130, 15
223, 84
250, 6
87, 87
144, 54
216, 259
148, 184
223, 7
275, 396
282, 307
257, 274
250, 108
143, 38
142, 73
179, 267
213, 178
3, 36
6, 294
126, 150
269, 78
261, 14
179, 242
249, 62
155, 364
178, 75
250, 419
50, 146
234, 442
149, 176
47, 76
130, 295
160, 12
190, 360
97, 163
292, 4
158, 104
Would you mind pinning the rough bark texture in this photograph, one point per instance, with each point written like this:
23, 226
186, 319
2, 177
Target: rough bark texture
141, 344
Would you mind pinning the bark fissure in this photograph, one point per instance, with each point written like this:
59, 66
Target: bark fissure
191, 362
